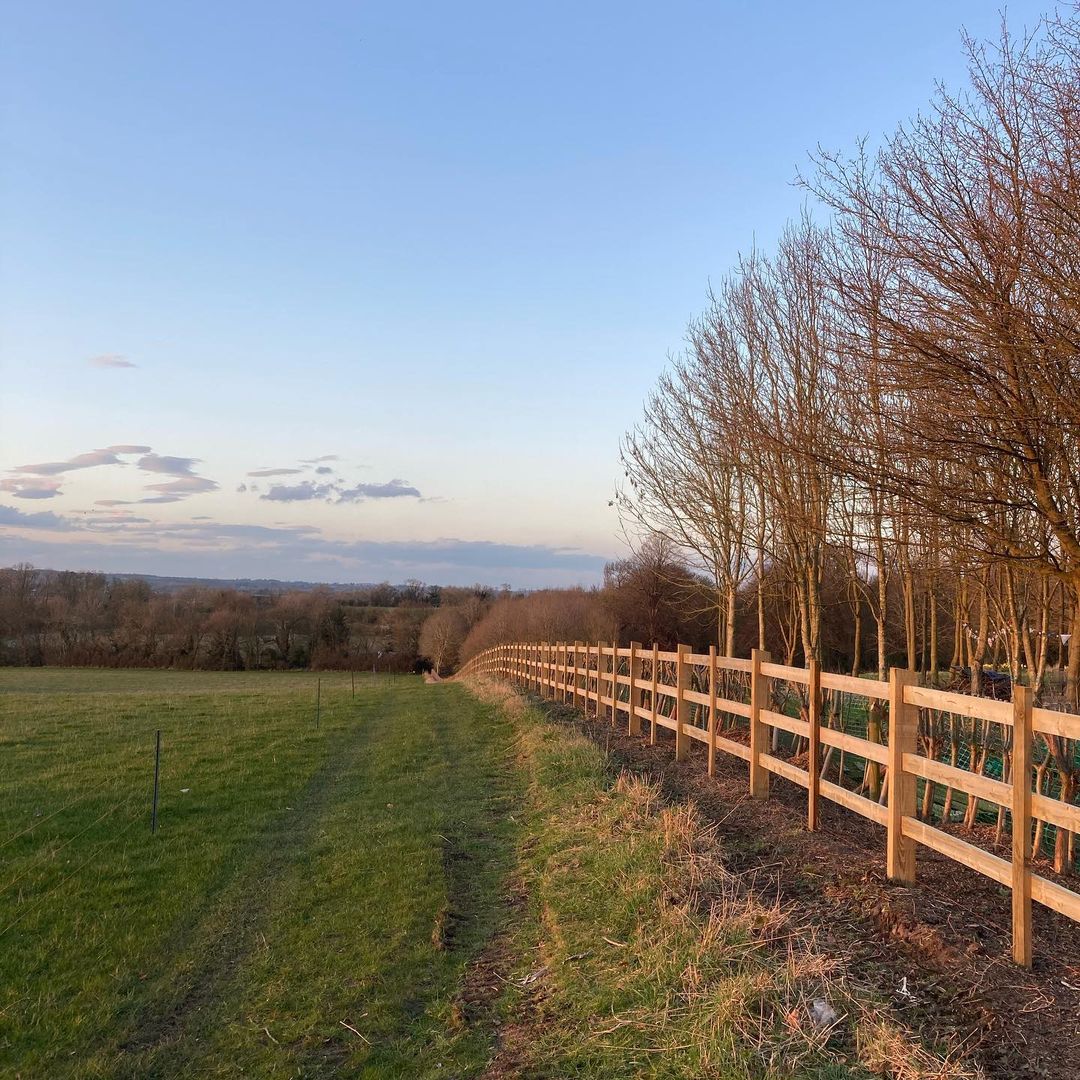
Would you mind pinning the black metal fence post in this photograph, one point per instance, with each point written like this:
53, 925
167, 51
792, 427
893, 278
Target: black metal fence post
157, 777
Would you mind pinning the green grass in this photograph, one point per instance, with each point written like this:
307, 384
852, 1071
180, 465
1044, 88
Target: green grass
296, 882
637, 953
335, 900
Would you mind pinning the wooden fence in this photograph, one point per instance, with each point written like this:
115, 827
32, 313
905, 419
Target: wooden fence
727, 704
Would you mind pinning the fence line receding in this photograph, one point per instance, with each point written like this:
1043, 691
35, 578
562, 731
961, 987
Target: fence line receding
755, 709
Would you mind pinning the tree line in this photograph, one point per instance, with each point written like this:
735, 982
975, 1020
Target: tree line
881, 415
49, 617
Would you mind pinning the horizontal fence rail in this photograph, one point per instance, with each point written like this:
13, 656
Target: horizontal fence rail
784, 721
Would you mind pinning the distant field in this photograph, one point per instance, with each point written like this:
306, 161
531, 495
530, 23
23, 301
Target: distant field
298, 881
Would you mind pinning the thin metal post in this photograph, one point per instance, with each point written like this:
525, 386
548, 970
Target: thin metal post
157, 777
318, 701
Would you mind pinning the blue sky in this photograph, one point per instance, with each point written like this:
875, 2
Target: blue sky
428, 258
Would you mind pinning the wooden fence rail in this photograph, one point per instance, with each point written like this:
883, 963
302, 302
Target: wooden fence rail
709, 698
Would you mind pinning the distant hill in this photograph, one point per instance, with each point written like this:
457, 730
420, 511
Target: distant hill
161, 583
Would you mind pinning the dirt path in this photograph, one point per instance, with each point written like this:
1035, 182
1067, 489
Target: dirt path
939, 950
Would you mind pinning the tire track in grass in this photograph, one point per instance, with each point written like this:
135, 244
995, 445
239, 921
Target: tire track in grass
365, 909
225, 935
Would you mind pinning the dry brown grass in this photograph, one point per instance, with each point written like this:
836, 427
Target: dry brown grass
650, 947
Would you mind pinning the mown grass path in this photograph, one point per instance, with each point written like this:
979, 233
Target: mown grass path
306, 880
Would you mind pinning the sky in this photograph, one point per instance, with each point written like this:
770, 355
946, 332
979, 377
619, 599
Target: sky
335, 291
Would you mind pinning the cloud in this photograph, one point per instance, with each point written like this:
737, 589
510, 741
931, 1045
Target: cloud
111, 360
275, 472
31, 489
324, 470
241, 488
307, 490
184, 485
395, 489
79, 461
317, 460
302, 492
43, 519
115, 518
296, 552
49, 489
171, 466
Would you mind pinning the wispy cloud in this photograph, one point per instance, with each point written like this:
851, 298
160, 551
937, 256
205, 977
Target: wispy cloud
111, 360
186, 481
217, 549
185, 485
307, 490
37, 488
318, 460
164, 463
394, 489
276, 472
79, 461
302, 492
43, 519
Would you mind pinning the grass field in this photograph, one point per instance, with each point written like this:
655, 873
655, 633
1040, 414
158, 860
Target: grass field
430, 882
295, 882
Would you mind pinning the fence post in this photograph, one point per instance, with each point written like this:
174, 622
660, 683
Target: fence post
633, 725
813, 762
614, 673
712, 710
759, 735
600, 673
682, 706
157, 775
615, 684
577, 689
903, 739
655, 679
600, 668
1021, 826
587, 651
588, 668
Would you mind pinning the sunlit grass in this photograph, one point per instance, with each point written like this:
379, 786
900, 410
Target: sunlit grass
294, 882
